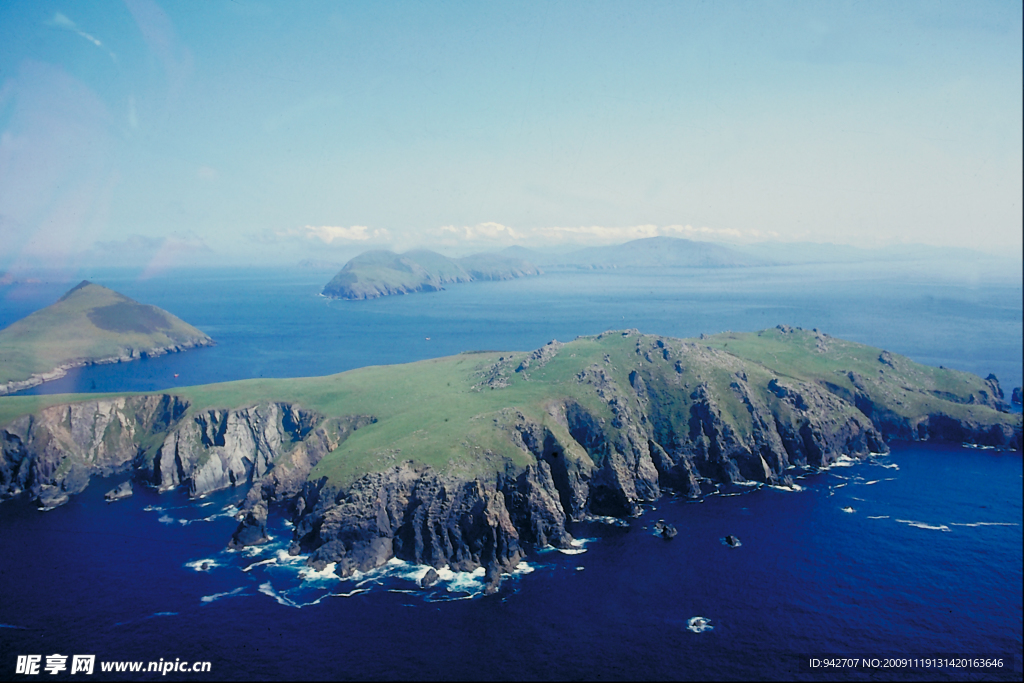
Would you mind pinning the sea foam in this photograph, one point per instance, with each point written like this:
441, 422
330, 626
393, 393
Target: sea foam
699, 624
206, 599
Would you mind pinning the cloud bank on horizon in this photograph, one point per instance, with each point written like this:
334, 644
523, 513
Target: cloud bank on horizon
140, 131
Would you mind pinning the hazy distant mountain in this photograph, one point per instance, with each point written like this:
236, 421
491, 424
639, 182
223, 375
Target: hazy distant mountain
941, 260
651, 252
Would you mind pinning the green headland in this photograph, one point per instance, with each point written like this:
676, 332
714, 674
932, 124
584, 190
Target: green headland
89, 324
467, 460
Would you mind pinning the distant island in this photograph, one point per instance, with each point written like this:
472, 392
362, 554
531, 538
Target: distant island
469, 460
89, 325
649, 252
384, 273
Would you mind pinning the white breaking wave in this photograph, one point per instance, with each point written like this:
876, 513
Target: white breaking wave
699, 624
879, 517
217, 596
922, 525
268, 589
258, 564
229, 511
604, 519
254, 550
325, 574
579, 546
203, 565
975, 524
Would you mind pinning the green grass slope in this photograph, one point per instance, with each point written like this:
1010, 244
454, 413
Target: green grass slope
88, 324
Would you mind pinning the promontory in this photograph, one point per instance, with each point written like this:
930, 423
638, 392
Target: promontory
89, 325
471, 460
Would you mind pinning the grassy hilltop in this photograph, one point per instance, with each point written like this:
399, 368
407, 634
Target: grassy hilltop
90, 323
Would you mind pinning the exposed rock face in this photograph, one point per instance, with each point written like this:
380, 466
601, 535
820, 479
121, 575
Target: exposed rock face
414, 514
54, 453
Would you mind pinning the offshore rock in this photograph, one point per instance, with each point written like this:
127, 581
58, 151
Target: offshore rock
429, 579
119, 492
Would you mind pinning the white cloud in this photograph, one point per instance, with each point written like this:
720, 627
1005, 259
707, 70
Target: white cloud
482, 231
329, 234
590, 234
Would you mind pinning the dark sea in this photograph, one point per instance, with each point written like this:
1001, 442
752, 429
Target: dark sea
916, 555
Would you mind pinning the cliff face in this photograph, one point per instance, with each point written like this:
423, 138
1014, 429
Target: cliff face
610, 423
53, 454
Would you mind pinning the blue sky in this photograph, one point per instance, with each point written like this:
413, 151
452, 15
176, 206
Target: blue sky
248, 132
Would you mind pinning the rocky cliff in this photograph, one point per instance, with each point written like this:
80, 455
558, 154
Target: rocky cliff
594, 427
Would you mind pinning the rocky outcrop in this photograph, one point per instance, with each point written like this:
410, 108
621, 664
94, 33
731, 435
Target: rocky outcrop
119, 492
430, 578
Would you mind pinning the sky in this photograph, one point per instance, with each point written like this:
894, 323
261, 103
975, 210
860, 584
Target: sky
250, 132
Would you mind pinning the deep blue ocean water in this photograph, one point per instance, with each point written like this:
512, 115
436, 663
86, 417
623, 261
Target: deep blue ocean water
914, 553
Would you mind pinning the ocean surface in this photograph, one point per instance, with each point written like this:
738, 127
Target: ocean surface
914, 554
